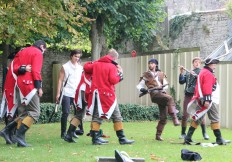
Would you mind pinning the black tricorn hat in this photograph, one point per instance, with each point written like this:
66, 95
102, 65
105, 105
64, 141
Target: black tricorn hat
190, 155
211, 61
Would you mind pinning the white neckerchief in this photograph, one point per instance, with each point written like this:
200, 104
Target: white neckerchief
156, 77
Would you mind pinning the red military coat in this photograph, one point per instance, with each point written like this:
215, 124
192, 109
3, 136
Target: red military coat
26, 82
203, 91
9, 104
104, 78
84, 85
206, 81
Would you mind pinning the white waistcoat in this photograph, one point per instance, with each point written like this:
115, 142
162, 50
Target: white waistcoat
73, 74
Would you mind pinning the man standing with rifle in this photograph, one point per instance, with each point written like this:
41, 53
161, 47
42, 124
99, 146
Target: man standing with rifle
154, 80
205, 100
69, 78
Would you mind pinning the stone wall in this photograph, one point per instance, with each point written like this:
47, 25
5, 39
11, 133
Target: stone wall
50, 57
206, 30
176, 7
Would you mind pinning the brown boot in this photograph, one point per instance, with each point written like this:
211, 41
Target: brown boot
159, 130
172, 111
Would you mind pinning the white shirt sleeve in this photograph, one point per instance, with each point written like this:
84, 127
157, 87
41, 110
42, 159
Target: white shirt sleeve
165, 82
141, 85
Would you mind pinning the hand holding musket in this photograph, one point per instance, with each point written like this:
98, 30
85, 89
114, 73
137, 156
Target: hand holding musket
152, 89
119, 69
182, 69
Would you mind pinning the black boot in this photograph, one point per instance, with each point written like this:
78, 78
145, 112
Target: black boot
6, 132
63, 127
183, 134
205, 135
96, 140
70, 133
101, 139
81, 129
188, 138
122, 139
219, 139
20, 136
12, 135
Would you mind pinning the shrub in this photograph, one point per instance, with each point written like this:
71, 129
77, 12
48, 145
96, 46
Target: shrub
46, 111
130, 112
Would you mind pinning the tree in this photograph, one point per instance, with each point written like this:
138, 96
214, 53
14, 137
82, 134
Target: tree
122, 20
25, 21
229, 8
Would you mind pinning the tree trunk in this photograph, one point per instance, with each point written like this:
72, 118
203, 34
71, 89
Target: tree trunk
98, 41
6, 50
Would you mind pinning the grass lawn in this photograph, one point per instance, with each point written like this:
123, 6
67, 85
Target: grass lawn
47, 146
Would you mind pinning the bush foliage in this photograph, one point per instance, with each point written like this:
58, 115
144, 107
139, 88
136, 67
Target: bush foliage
46, 111
130, 112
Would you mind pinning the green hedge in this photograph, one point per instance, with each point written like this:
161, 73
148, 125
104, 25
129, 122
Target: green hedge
46, 110
130, 112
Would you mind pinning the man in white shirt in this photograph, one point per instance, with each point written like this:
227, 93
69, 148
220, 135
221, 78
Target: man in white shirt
69, 78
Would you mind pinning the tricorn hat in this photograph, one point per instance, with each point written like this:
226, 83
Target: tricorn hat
190, 155
209, 61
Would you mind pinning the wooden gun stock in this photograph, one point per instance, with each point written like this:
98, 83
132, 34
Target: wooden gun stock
149, 90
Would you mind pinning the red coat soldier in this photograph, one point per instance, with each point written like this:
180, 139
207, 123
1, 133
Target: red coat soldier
28, 89
205, 100
102, 103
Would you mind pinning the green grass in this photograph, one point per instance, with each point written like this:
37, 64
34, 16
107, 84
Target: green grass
47, 146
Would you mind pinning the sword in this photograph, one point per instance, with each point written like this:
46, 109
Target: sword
60, 100
61, 95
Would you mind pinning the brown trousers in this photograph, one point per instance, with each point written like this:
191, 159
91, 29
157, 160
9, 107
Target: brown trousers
163, 100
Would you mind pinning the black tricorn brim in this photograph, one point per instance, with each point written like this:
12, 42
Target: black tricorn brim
211, 61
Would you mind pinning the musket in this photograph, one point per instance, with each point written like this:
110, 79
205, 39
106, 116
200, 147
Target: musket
187, 70
152, 89
60, 100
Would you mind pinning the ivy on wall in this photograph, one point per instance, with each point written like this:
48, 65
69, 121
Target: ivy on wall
177, 24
